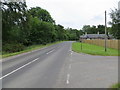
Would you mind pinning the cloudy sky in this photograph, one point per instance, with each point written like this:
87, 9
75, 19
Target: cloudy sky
76, 13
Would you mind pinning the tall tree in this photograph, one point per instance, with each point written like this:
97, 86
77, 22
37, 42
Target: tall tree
42, 14
115, 16
14, 20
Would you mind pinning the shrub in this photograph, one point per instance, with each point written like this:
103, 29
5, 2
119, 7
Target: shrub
13, 47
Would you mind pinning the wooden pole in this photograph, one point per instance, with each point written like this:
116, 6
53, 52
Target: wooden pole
105, 32
81, 44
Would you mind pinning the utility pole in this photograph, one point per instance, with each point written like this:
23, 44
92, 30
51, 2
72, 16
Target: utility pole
105, 32
119, 5
81, 44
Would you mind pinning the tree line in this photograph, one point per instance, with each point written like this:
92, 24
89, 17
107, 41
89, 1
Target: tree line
94, 29
22, 27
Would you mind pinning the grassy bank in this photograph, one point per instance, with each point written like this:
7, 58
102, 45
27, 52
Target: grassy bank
93, 49
28, 49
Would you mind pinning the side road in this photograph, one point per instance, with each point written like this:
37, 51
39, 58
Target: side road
88, 71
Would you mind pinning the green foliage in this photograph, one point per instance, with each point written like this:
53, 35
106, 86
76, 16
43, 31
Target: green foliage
27, 49
13, 14
10, 48
101, 29
41, 14
94, 29
116, 86
86, 28
41, 32
61, 35
115, 30
73, 34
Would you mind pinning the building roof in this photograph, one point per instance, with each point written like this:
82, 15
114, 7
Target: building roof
95, 36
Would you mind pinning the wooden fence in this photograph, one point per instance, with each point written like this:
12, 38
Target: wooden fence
100, 42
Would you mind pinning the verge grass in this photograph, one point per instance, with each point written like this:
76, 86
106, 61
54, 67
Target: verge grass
94, 49
115, 86
28, 49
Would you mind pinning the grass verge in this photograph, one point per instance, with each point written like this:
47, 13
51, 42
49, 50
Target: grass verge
116, 85
94, 49
28, 49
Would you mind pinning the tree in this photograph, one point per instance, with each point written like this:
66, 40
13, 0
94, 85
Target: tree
90, 30
42, 14
86, 28
60, 32
101, 29
14, 20
73, 34
93, 30
115, 30
41, 32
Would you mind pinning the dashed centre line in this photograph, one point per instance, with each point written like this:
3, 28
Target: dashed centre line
68, 77
70, 66
50, 51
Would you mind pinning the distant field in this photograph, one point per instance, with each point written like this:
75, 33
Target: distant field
94, 49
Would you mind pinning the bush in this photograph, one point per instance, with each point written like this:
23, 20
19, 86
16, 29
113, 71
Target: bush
13, 47
44, 43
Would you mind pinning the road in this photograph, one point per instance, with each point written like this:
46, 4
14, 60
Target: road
57, 66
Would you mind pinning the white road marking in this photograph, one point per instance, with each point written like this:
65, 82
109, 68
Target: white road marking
18, 68
70, 66
50, 51
70, 60
70, 49
67, 82
68, 77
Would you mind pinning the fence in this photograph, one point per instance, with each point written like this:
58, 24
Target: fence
101, 42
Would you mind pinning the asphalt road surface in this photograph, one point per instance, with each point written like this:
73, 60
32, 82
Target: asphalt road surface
57, 66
